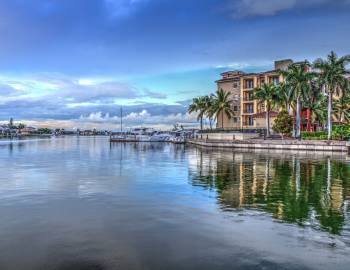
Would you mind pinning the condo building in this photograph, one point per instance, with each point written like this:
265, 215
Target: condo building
248, 113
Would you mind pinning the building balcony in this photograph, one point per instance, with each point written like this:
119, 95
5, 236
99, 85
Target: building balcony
248, 112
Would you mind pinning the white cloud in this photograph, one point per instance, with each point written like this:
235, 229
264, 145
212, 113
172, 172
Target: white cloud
137, 119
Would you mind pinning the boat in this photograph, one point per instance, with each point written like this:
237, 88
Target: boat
161, 137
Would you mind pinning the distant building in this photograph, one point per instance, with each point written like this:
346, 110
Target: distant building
27, 130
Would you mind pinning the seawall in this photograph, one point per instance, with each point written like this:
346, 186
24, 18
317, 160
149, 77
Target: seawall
305, 145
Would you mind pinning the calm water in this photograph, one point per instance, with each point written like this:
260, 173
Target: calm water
81, 203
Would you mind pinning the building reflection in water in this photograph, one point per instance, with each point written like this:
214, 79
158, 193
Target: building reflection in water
309, 191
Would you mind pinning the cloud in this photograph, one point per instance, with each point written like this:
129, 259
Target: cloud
242, 8
57, 100
110, 121
7, 90
152, 94
63, 100
142, 118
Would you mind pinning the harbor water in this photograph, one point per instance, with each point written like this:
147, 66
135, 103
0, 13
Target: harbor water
84, 203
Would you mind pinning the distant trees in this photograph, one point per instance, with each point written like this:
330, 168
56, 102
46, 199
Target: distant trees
21, 126
11, 125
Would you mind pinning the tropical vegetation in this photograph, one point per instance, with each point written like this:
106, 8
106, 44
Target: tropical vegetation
212, 106
321, 90
283, 124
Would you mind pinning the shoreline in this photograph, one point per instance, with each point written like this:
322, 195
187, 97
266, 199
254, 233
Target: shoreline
288, 145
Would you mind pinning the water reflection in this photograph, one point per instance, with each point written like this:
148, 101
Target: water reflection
309, 191
83, 203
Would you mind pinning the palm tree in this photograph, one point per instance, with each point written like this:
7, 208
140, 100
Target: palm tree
298, 80
267, 93
342, 108
222, 105
332, 77
209, 104
283, 97
314, 101
319, 110
198, 105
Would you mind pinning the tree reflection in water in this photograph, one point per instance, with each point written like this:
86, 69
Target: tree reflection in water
295, 189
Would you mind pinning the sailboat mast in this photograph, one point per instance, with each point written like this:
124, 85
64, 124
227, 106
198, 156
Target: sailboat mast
121, 119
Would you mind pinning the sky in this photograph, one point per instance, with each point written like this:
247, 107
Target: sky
74, 63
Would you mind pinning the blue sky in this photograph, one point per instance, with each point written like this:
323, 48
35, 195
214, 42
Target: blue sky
72, 63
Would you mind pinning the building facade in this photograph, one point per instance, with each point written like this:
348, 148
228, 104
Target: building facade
231, 82
248, 112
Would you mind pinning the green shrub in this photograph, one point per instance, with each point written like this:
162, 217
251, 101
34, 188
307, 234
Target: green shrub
316, 135
341, 132
283, 124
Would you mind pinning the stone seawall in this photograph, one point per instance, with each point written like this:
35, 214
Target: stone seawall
329, 146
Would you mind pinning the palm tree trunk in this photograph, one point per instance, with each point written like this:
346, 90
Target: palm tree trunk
308, 115
211, 123
222, 119
329, 117
291, 112
267, 123
298, 133
202, 123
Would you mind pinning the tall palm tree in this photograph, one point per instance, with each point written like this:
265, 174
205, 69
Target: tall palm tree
332, 77
222, 105
198, 105
298, 80
267, 93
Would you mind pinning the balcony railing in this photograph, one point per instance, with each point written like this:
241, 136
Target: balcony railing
248, 111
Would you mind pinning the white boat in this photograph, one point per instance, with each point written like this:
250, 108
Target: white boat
143, 138
161, 137
178, 140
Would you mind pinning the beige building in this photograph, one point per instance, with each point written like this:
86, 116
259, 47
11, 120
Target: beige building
249, 113
231, 82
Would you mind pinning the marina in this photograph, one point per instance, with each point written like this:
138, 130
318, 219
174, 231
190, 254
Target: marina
151, 135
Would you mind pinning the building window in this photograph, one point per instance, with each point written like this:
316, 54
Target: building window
235, 85
275, 80
249, 108
235, 120
235, 108
249, 84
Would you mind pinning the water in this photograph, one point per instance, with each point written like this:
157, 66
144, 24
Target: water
81, 203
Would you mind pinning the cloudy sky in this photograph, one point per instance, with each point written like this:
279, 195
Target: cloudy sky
73, 63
